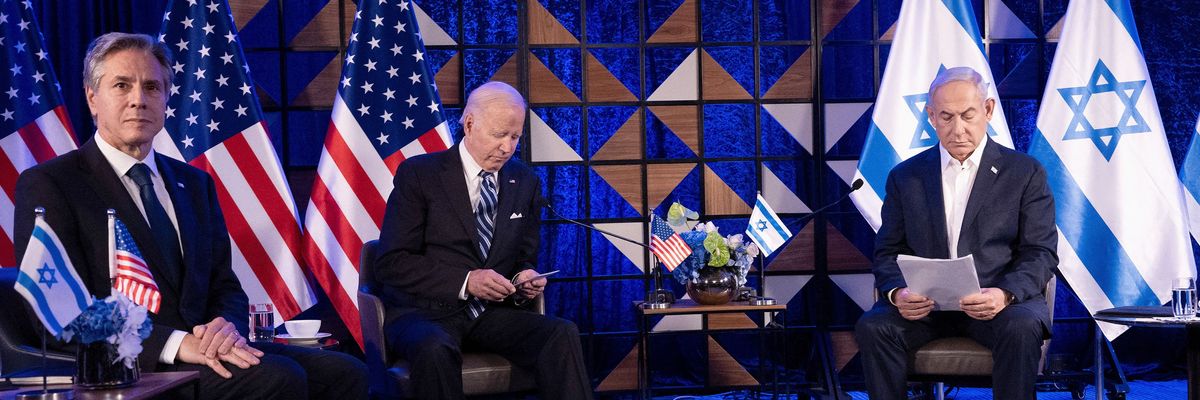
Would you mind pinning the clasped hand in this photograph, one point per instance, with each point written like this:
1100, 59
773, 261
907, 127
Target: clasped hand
981, 306
218, 341
491, 286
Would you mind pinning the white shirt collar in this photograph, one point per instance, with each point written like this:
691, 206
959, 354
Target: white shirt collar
470, 167
121, 162
974, 160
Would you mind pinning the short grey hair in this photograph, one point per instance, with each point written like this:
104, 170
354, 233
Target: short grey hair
113, 42
490, 92
959, 74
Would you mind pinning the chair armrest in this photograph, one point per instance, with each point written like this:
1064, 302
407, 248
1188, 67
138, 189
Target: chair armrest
374, 345
539, 304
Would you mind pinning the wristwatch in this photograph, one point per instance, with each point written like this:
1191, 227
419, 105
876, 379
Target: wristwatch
1009, 298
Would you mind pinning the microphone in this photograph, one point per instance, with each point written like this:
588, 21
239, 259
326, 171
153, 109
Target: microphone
546, 203
858, 184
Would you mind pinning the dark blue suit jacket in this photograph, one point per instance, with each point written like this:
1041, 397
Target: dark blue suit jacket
428, 241
1008, 226
77, 189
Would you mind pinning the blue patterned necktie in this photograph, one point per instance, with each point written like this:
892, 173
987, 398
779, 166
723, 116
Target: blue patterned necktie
160, 224
485, 222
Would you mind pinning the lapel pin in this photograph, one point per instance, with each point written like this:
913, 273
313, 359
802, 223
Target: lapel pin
180, 184
512, 181
995, 171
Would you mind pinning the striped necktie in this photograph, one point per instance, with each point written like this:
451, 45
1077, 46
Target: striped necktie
485, 222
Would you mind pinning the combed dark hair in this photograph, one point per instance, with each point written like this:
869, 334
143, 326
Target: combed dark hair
113, 42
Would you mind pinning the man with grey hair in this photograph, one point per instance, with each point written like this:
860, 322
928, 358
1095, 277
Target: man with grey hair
172, 214
967, 196
458, 249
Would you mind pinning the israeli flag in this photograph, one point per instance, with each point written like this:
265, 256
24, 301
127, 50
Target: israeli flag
1189, 174
48, 281
1118, 202
931, 36
765, 228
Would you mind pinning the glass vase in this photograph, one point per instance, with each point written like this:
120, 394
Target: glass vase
97, 367
714, 286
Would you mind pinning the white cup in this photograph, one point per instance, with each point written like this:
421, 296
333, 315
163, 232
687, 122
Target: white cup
303, 328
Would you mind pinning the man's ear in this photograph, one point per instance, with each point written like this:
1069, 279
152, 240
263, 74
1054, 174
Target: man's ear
989, 105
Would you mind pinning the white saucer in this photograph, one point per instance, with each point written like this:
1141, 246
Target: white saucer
290, 338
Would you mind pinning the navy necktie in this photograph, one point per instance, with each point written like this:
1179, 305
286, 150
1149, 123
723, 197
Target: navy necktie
160, 224
485, 217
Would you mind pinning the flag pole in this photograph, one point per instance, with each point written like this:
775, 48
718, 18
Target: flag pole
45, 393
657, 298
762, 299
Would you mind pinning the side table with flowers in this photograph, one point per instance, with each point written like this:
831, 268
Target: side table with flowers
718, 265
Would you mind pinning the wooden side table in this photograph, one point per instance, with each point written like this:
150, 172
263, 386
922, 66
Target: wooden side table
151, 385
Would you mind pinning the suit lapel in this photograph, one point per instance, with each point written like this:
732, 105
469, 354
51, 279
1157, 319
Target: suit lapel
454, 188
109, 186
182, 203
509, 186
931, 179
985, 179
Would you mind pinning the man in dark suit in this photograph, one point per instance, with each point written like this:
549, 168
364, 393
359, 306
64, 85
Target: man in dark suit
968, 195
172, 213
461, 229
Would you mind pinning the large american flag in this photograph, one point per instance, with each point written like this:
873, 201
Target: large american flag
33, 121
666, 244
386, 110
214, 122
133, 277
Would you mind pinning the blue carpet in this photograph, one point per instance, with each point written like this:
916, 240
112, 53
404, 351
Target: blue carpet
1138, 390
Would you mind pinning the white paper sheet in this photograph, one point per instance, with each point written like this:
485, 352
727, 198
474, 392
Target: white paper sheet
943, 281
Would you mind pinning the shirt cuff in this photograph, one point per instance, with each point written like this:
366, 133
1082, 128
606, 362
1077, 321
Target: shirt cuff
462, 292
889, 296
171, 348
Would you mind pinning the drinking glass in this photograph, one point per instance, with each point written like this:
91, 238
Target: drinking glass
1183, 294
262, 322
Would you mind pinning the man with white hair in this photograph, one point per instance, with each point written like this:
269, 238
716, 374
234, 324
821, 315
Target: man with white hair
460, 231
967, 196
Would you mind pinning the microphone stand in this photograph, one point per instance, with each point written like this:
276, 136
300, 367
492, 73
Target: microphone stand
658, 297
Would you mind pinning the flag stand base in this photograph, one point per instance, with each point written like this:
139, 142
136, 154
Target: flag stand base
46, 394
762, 301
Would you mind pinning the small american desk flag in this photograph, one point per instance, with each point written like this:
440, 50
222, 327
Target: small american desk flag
133, 277
667, 245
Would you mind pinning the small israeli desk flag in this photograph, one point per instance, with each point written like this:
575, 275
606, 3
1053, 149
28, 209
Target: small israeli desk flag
48, 281
765, 228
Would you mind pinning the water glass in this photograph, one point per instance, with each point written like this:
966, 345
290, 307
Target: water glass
262, 322
1183, 296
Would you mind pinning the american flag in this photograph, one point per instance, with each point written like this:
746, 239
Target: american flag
666, 244
386, 110
214, 122
33, 121
133, 277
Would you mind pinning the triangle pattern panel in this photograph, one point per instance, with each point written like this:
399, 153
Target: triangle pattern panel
264, 68
679, 27
624, 376
717, 82
890, 33
449, 80
1055, 31
784, 288
841, 254
545, 28
317, 92
258, 23
324, 29
844, 348
606, 201
797, 254
432, 33
844, 169
683, 121
1022, 78
796, 82
781, 197
625, 143
305, 68
724, 370
482, 65
544, 85
507, 72
719, 197
1003, 24
633, 230
889, 13
833, 12
796, 119
547, 145
860, 288
601, 84
840, 117
664, 179
853, 137
245, 10
681, 83
626, 180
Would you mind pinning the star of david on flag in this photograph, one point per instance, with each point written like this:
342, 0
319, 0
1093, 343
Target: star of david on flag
33, 121
47, 280
386, 110
931, 36
214, 123
765, 228
1123, 234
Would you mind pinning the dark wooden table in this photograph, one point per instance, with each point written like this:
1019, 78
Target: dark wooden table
1129, 316
152, 384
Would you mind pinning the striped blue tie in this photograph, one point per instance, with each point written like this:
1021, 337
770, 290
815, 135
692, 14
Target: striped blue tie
485, 221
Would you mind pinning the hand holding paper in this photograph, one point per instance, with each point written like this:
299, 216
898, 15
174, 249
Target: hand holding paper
943, 281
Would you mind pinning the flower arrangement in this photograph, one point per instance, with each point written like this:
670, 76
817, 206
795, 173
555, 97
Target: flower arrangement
711, 250
116, 320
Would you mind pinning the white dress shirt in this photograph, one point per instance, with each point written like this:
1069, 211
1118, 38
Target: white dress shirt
958, 177
121, 163
471, 171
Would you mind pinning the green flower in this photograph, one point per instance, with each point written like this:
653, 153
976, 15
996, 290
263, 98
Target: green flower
718, 251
